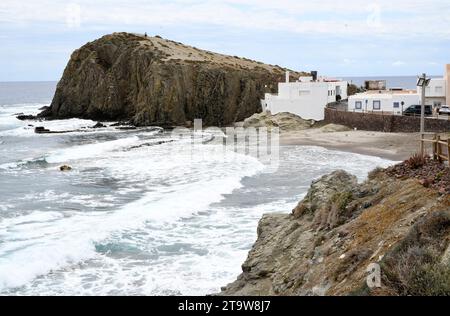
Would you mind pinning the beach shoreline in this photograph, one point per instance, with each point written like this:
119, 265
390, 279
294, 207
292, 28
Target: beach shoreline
391, 146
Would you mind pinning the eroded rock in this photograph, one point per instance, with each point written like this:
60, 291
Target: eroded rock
153, 81
341, 228
284, 121
65, 168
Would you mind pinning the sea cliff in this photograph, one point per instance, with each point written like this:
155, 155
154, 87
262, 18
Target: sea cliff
154, 81
341, 228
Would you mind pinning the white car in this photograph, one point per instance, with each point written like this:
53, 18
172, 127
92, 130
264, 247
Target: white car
444, 110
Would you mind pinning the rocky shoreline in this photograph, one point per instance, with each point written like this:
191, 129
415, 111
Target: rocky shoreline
328, 242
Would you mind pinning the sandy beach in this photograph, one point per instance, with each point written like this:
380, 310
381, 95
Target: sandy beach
393, 146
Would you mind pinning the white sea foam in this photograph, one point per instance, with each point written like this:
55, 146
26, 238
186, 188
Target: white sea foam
33, 247
90, 150
174, 237
8, 120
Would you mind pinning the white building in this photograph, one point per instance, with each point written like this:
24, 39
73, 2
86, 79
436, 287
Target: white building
435, 93
306, 97
395, 101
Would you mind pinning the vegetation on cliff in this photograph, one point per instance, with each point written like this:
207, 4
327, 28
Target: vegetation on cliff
341, 227
153, 81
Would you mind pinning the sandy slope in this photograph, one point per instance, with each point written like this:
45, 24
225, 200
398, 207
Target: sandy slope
392, 146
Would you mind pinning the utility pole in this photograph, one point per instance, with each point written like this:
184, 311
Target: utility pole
422, 82
422, 114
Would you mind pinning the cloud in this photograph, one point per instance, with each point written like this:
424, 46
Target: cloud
338, 37
398, 63
382, 18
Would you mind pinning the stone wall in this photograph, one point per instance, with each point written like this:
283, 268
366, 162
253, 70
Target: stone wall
384, 123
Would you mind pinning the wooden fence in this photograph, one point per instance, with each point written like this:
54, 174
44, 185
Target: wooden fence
441, 147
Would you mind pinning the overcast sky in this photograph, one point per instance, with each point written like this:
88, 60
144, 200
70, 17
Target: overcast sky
337, 38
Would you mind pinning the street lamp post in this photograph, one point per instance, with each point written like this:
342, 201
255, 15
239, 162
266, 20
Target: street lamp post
422, 82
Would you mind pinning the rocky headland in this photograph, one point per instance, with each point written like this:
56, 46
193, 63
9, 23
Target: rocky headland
399, 219
154, 81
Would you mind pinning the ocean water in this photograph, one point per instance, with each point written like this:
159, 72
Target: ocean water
406, 82
137, 215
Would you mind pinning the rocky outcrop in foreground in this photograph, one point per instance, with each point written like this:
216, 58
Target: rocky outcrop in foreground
153, 81
284, 121
341, 227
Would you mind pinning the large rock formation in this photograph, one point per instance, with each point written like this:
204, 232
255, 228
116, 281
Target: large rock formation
150, 80
286, 122
341, 227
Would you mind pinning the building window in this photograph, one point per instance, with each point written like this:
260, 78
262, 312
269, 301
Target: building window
396, 105
358, 105
304, 92
439, 90
377, 105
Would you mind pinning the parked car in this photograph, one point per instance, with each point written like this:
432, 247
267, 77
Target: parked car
416, 110
444, 110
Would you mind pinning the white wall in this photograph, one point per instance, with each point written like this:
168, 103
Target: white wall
435, 93
436, 89
447, 83
308, 104
387, 102
305, 99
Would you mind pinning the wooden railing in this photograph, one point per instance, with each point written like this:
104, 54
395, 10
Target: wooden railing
441, 147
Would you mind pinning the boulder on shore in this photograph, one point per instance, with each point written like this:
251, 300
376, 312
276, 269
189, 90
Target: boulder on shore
23, 117
65, 168
284, 121
41, 130
99, 125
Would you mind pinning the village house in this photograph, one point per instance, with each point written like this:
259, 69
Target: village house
307, 97
438, 91
397, 101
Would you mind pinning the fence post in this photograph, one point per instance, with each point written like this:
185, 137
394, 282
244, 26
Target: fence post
438, 148
421, 145
448, 150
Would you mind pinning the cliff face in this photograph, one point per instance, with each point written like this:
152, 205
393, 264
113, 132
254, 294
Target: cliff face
150, 80
326, 245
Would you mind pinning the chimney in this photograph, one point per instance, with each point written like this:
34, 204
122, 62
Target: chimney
288, 75
447, 81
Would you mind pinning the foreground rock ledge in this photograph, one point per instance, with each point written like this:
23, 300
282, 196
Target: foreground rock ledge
326, 245
153, 81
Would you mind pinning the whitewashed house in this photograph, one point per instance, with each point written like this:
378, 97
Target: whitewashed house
435, 93
395, 101
306, 97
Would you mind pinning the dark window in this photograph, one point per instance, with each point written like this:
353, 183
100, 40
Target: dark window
396, 105
377, 105
358, 105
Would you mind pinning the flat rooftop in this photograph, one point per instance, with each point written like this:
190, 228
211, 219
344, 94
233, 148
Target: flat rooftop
373, 92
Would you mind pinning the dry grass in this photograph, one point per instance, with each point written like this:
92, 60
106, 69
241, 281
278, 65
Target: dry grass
416, 161
431, 173
415, 266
